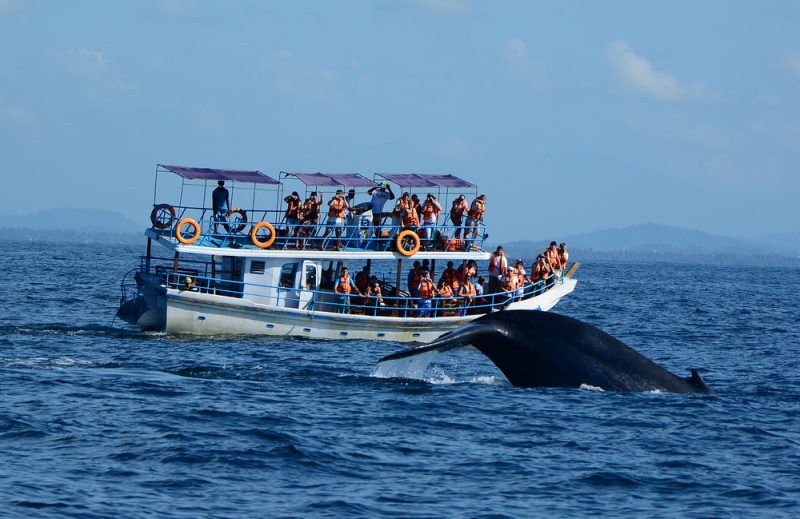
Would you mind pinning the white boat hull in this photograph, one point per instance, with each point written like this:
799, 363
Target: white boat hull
196, 313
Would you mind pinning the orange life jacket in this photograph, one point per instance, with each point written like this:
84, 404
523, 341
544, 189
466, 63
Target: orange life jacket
552, 257
498, 264
311, 209
337, 208
468, 289
563, 256
430, 209
343, 287
446, 291
521, 276
294, 210
451, 278
410, 219
476, 209
510, 283
426, 288
457, 211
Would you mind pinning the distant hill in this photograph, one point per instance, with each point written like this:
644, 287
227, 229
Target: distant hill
75, 220
661, 242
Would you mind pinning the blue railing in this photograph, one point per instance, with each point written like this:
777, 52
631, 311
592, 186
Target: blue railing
236, 230
328, 301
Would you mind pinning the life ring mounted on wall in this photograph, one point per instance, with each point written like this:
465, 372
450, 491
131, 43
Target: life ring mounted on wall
405, 238
162, 216
191, 234
257, 239
238, 219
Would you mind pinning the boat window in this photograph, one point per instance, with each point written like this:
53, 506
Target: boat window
311, 277
288, 272
256, 267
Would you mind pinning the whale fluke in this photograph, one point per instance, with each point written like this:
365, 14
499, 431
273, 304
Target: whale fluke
544, 349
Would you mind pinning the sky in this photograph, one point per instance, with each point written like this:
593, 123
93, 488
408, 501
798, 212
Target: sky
570, 116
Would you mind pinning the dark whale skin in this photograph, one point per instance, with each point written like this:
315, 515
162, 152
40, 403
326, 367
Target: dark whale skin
545, 349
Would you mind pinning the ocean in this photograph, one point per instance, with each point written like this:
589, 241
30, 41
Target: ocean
98, 419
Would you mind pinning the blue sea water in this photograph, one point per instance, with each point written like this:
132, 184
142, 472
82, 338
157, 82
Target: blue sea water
105, 421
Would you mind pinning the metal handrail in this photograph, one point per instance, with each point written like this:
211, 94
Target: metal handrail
322, 236
402, 306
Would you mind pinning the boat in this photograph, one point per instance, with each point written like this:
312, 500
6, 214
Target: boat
252, 271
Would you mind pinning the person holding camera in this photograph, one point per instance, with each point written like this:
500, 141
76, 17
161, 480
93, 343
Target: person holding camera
430, 215
380, 195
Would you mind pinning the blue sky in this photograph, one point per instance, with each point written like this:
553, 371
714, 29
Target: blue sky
571, 116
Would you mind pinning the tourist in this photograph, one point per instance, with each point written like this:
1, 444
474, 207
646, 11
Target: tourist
467, 293
450, 277
430, 215
380, 195
563, 255
457, 211
519, 271
414, 276
344, 286
474, 220
498, 266
374, 296
221, 204
552, 257
294, 214
425, 291
336, 209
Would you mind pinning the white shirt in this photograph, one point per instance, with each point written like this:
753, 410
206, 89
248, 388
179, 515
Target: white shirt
379, 198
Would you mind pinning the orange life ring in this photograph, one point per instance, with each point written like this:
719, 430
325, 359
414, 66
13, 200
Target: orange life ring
195, 235
254, 235
242, 219
158, 216
408, 233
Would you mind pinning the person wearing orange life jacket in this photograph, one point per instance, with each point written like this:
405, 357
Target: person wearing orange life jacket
510, 285
374, 295
344, 286
450, 277
311, 210
563, 255
425, 291
430, 215
293, 215
552, 257
414, 276
467, 292
457, 211
474, 219
336, 209
408, 213
519, 271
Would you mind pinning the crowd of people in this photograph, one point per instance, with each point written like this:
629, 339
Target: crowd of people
459, 290
409, 212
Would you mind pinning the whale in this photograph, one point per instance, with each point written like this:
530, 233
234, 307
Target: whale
548, 350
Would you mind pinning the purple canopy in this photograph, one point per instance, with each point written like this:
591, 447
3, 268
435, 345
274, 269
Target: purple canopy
332, 179
416, 180
255, 177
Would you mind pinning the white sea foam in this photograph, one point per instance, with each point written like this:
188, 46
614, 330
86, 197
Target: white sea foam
591, 388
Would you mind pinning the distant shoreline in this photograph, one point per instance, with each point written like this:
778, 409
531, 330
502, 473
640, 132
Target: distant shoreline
582, 255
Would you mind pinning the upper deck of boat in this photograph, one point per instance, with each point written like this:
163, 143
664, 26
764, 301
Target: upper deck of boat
256, 223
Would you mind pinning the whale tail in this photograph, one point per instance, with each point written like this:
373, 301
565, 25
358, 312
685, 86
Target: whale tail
544, 349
